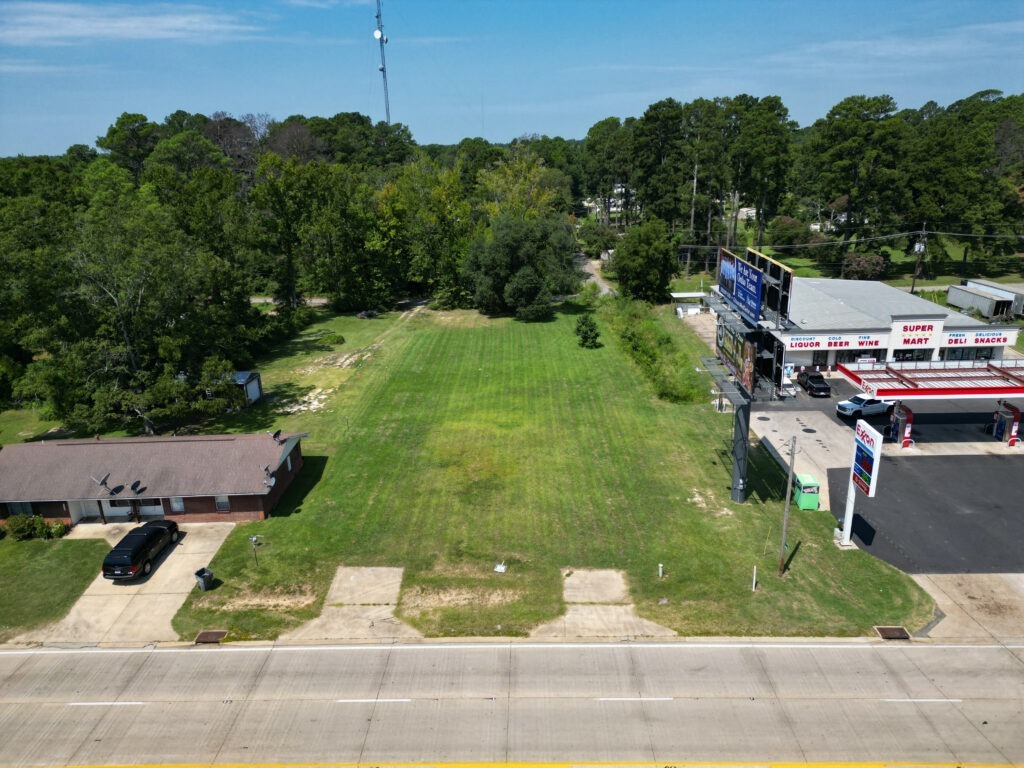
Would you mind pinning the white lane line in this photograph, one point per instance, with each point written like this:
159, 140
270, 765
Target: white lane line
106, 703
923, 701
373, 701
634, 698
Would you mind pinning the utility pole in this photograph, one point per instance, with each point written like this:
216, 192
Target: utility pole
785, 516
920, 248
381, 38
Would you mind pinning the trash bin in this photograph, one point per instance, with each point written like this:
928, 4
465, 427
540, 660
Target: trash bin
204, 578
805, 491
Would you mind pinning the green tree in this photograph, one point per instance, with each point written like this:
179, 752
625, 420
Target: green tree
129, 141
659, 160
644, 261
587, 333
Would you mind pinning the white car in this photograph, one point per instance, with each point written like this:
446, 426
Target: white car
864, 405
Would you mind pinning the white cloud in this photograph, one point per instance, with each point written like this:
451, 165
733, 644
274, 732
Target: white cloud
48, 23
28, 67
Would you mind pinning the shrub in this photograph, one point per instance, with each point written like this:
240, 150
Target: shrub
59, 530
21, 527
586, 330
40, 528
333, 338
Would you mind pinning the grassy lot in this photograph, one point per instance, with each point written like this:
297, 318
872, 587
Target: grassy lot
458, 442
65, 567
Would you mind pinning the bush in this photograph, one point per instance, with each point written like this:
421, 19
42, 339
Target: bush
25, 527
333, 338
21, 527
586, 330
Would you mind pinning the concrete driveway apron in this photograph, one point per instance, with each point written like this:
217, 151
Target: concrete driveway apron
128, 612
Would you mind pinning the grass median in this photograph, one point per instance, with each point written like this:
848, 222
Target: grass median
460, 441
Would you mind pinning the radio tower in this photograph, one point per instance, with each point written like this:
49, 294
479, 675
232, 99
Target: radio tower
378, 33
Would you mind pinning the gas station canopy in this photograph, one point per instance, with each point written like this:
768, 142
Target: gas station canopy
931, 380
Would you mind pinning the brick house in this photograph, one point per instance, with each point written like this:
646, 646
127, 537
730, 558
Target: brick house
187, 479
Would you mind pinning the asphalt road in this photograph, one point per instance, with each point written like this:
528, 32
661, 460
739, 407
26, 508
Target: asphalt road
500, 703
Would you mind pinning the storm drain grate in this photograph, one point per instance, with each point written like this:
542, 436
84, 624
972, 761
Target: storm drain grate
211, 636
893, 633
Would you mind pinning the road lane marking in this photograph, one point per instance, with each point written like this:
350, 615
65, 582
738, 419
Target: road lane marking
106, 703
924, 701
373, 701
634, 698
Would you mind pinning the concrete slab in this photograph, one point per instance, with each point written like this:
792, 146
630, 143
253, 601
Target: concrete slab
136, 611
594, 585
360, 605
617, 622
976, 607
598, 608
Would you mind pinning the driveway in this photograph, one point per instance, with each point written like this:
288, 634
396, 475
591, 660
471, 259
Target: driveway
115, 612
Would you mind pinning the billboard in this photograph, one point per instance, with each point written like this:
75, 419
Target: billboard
741, 285
737, 354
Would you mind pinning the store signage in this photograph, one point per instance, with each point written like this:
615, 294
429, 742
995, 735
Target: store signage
916, 334
867, 456
846, 341
998, 338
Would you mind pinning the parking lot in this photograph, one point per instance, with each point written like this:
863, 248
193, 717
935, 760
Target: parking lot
137, 611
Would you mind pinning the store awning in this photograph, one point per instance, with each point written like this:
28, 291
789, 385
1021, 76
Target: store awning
927, 380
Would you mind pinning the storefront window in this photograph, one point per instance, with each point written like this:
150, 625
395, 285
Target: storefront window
911, 355
820, 358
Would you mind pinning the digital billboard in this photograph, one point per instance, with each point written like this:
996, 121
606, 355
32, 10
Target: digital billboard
867, 456
737, 354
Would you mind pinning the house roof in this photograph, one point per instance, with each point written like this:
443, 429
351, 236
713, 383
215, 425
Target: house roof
144, 467
861, 305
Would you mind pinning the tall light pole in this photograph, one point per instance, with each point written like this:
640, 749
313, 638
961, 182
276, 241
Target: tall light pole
381, 38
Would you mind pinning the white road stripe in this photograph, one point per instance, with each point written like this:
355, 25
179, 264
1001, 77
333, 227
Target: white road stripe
634, 698
373, 701
923, 701
106, 703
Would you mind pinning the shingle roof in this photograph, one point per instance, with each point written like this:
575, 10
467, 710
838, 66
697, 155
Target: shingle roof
212, 465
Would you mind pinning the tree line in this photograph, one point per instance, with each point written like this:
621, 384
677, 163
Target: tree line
129, 266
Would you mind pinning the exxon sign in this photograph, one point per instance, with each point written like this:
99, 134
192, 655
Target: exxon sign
867, 456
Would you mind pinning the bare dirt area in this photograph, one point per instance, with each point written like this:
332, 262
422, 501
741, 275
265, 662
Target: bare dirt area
598, 608
360, 605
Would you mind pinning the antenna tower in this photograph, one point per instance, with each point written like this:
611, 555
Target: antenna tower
381, 38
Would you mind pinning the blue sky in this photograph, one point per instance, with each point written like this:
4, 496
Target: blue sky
499, 70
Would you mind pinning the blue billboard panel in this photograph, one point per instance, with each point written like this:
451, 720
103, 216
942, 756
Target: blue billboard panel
740, 283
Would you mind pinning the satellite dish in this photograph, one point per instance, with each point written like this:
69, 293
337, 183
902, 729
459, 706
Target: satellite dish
276, 435
102, 481
377, 34
135, 485
270, 481
115, 490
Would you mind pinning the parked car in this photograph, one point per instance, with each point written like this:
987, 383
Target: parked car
134, 554
864, 405
814, 383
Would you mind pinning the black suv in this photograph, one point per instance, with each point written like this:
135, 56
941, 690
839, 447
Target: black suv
134, 554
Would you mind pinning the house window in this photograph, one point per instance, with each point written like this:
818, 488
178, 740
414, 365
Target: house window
149, 502
19, 507
289, 462
177, 504
223, 503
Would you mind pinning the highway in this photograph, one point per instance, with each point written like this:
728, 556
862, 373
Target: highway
515, 702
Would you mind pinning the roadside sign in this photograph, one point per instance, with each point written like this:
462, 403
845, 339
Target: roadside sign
867, 456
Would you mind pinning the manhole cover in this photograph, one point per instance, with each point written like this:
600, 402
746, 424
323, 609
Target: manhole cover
808, 430
893, 633
211, 636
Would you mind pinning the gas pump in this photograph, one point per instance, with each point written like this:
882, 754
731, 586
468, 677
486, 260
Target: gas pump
901, 423
1006, 423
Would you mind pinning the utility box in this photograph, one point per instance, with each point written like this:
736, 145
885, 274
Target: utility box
805, 491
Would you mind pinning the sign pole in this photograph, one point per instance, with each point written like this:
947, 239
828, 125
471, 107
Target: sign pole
851, 496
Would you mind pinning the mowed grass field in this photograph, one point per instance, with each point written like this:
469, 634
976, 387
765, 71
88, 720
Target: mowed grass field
459, 442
